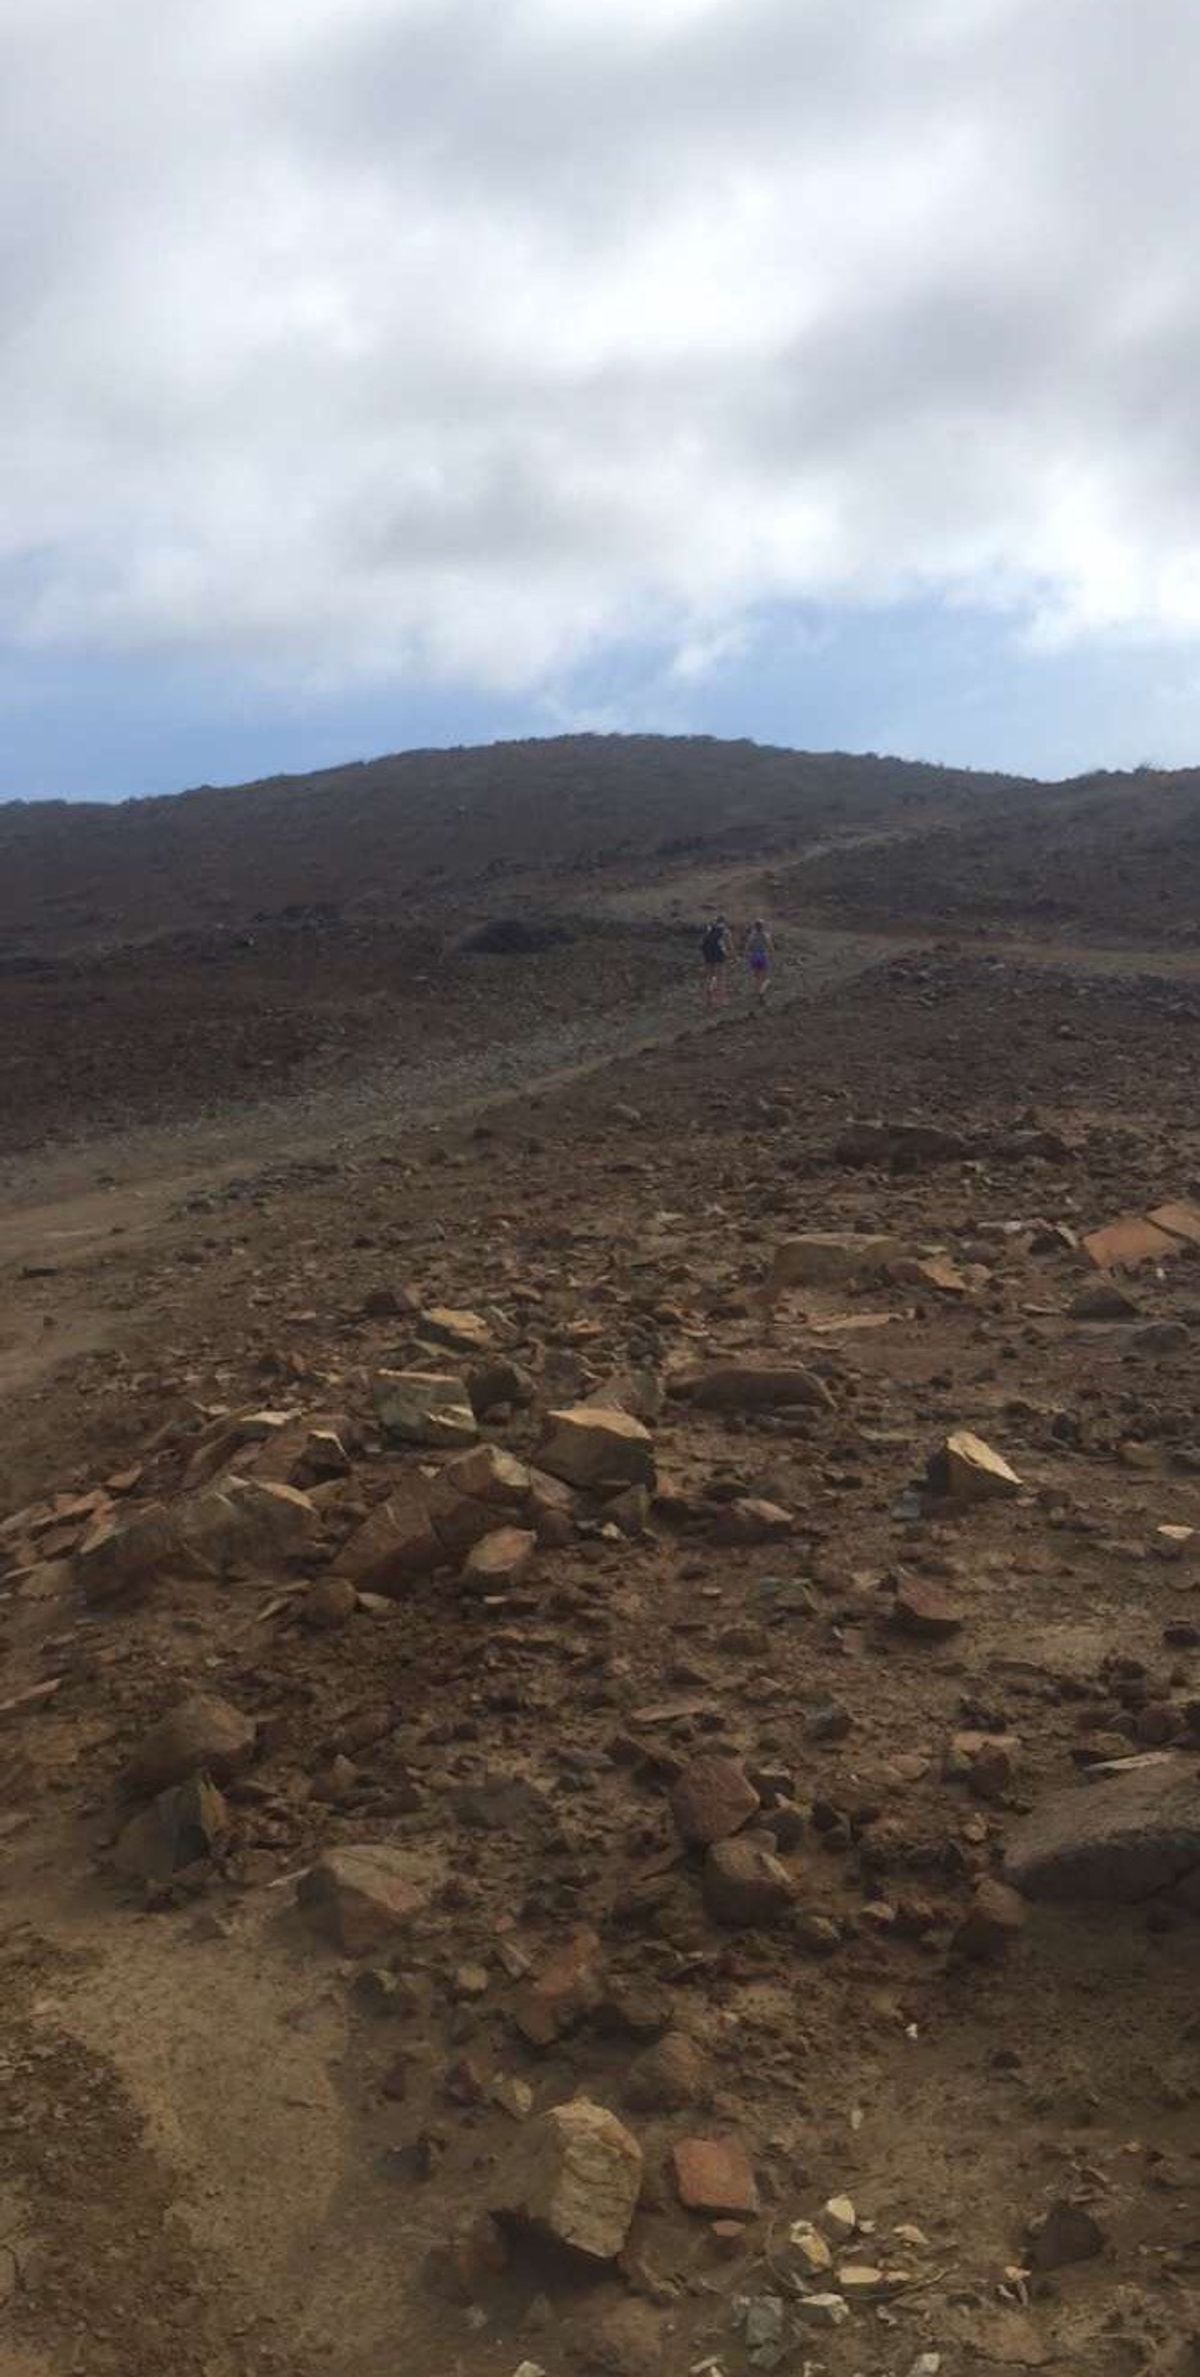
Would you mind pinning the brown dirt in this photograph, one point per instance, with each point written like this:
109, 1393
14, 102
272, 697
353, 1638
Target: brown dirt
201, 2169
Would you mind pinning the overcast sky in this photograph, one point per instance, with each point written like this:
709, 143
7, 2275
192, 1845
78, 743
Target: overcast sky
388, 371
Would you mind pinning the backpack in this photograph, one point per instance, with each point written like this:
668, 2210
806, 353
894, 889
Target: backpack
712, 947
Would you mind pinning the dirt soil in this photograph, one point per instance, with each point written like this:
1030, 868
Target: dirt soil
227, 2146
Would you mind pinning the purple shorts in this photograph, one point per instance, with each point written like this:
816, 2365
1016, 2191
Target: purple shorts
759, 961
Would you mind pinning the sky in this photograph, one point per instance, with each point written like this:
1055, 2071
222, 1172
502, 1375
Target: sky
380, 373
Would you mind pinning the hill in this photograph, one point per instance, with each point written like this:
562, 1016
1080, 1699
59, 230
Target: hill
427, 827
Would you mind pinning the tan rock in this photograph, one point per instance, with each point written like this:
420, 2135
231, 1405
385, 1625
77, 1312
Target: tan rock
827, 1259
246, 1523
576, 2175
595, 1449
361, 1898
202, 1735
668, 2077
1179, 1221
329, 1603
463, 1332
1123, 1245
122, 1560
424, 1407
972, 1472
499, 1560
395, 1545
745, 1884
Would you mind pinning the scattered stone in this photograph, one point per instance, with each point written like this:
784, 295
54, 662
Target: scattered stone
997, 1915
395, 1545
713, 2176
463, 1332
499, 1560
838, 2220
594, 1449
202, 1735
750, 1386
424, 1407
182, 1827
712, 1799
823, 2310
328, 1604
1161, 1338
828, 1258
668, 2077
497, 1383
968, 1470
1104, 1302
576, 2176
810, 2249
122, 1559
752, 1521
362, 1897
925, 1610
744, 1883
246, 1524
1121, 1839
1171, 1542
1066, 2233
562, 1993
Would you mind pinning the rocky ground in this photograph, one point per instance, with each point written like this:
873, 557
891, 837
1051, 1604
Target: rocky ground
569, 1681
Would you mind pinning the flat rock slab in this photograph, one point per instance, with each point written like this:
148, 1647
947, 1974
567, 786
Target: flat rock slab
1119, 1841
1180, 1221
711, 1800
1122, 1245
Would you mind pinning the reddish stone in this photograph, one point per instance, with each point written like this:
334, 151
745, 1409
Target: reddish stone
561, 1994
712, 1799
923, 1609
713, 2176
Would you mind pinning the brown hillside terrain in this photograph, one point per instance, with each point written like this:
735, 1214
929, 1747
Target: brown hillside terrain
599, 1623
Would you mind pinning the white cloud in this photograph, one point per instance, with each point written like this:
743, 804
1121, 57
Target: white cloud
455, 338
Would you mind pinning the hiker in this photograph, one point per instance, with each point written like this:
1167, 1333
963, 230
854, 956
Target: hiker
759, 951
716, 949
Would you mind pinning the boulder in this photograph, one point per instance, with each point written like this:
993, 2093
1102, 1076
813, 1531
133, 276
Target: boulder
329, 1603
499, 1560
424, 1407
202, 1735
1120, 1840
497, 1381
751, 1386
712, 1799
473, 1493
396, 1544
829, 1259
362, 1897
597, 1449
576, 2176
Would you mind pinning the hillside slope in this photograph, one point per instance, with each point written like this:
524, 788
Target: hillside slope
427, 825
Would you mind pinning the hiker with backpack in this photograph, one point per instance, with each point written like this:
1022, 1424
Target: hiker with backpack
716, 949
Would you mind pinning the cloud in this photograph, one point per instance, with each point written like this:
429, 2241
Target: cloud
458, 340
